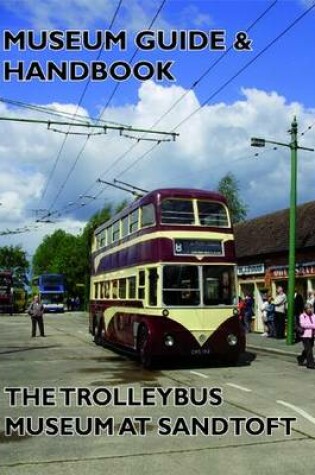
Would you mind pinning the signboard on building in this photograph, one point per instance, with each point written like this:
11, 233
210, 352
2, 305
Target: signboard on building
300, 271
251, 269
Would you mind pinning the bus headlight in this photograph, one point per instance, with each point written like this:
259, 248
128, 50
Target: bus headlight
165, 312
235, 311
232, 339
169, 340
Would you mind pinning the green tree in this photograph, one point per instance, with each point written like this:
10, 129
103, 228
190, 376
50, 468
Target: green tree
67, 254
13, 258
61, 253
228, 186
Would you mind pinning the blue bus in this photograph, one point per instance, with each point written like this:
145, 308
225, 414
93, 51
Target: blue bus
52, 292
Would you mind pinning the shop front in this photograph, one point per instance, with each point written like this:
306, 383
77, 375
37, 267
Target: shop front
251, 280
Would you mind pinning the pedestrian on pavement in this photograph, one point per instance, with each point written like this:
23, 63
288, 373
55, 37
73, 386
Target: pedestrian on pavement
36, 311
280, 304
264, 317
271, 317
248, 312
307, 323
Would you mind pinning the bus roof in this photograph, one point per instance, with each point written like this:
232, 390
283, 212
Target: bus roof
156, 196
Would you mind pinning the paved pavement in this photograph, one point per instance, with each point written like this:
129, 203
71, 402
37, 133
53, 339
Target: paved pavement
258, 342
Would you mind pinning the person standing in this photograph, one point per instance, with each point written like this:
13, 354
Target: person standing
270, 316
248, 312
307, 323
264, 318
280, 303
36, 311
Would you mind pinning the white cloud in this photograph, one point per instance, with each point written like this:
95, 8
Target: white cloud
212, 142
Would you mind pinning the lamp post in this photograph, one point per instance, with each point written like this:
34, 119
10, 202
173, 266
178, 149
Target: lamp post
293, 145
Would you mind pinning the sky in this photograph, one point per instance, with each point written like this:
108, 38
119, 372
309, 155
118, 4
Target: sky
215, 99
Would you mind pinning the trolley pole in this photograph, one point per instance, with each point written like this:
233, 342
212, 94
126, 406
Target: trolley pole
293, 145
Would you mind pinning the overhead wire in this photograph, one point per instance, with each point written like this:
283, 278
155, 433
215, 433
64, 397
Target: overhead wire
56, 161
267, 47
193, 86
226, 83
101, 113
161, 6
50, 111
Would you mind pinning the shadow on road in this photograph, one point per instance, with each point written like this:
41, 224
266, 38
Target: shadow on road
19, 349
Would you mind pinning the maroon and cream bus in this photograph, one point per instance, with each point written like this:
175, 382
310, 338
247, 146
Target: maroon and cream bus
163, 280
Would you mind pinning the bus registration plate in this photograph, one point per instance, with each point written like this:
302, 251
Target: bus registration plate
200, 351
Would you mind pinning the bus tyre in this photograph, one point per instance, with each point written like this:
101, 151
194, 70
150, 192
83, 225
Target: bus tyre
97, 335
143, 347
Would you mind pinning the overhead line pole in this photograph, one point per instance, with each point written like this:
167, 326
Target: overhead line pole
294, 147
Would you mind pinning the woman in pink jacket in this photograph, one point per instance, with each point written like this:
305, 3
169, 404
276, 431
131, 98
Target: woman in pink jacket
307, 323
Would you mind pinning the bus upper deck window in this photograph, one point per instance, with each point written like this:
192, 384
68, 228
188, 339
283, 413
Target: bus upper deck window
147, 215
134, 221
175, 211
212, 214
124, 226
116, 231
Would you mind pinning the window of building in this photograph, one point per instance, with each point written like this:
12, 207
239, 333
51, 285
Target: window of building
175, 211
212, 214
147, 215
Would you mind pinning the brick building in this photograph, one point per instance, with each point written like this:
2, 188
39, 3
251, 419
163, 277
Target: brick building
262, 250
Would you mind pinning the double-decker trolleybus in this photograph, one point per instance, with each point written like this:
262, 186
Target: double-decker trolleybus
163, 280
51, 289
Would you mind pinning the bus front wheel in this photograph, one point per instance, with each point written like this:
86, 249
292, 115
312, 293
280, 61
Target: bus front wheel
97, 330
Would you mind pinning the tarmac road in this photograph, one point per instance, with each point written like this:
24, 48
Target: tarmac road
261, 387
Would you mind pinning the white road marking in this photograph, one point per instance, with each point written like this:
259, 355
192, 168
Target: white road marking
241, 388
300, 411
199, 374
